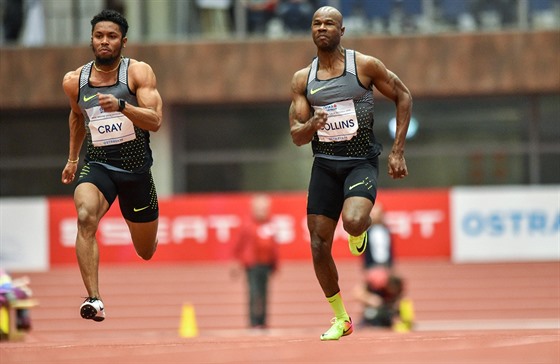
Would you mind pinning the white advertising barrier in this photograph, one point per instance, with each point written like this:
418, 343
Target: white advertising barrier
505, 224
23, 234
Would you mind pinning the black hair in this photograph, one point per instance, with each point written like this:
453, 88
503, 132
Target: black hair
112, 16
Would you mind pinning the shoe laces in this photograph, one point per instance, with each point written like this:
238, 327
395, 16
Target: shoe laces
338, 323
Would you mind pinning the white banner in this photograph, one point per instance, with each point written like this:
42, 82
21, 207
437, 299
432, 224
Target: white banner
503, 223
24, 234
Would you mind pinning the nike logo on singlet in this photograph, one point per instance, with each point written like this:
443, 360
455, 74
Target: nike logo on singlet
313, 92
87, 98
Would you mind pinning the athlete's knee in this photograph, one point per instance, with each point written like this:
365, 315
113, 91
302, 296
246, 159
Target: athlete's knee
147, 253
87, 221
320, 249
355, 224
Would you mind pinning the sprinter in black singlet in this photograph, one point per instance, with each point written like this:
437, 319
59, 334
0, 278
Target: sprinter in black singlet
114, 104
332, 107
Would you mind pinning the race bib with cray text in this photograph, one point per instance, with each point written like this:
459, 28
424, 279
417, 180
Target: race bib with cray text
109, 128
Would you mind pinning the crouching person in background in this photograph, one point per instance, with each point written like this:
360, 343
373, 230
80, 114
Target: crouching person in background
12, 290
382, 291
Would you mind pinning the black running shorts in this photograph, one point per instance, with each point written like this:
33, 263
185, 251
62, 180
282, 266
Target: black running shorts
333, 181
136, 191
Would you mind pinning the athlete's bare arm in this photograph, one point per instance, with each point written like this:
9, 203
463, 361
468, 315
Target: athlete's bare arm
142, 81
149, 114
75, 124
303, 124
374, 72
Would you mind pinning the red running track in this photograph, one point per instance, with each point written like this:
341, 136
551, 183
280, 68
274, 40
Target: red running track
469, 313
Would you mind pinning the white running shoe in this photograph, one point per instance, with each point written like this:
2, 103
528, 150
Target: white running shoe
93, 309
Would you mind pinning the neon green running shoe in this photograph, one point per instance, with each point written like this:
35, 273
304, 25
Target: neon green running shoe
357, 244
338, 329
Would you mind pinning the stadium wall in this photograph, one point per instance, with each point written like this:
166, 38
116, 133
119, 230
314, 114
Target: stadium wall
261, 70
478, 224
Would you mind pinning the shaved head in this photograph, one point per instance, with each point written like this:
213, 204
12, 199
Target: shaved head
327, 29
330, 12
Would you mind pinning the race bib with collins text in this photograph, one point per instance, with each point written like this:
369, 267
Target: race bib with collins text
342, 123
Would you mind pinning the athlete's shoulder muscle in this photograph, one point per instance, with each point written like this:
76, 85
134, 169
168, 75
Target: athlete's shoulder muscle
140, 74
70, 82
299, 80
370, 69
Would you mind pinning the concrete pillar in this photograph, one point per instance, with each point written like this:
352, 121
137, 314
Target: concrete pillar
161, 144
159, 19
133, 15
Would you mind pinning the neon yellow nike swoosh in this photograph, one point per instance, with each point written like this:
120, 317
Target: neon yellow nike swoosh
357, 184
140, 209
86, 99
313, 92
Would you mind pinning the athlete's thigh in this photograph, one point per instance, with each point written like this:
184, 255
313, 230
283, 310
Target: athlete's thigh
360, 191
325, 194
139, 206
95, 191
361, 180
143, 234
137, 197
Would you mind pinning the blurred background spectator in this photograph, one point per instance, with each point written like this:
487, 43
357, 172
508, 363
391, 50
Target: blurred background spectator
117, 5
12, 18
494, 15
259, 13
296, 15
256, 252
53, 21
